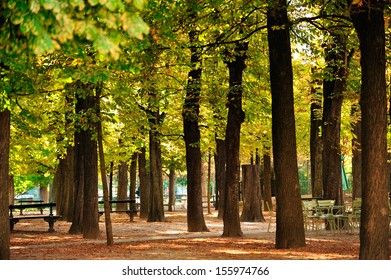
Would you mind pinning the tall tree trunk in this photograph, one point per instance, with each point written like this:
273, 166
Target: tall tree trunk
333, 87
236, 65
267, 180
63, 184
85, 217
122, 189
144, 184
171, 189
356, 152
289, 214
4, 183
368, 20
192, 136
133, 176
102, 163
316, 143
220, 160
156, 209
251, 183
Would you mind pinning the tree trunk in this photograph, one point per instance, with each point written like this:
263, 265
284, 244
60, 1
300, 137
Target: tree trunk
289, 214
267, 180
333, 87
144, 184
122, 190
171, 189
156, 210
220, 160
356, 152
133, 176
316, 144
63, 184
251, 183
192, 136
236, 66
102, 163
85, 215
368, 20
5, 127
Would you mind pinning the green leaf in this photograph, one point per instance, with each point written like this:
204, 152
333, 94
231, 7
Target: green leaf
139, 4
134, 25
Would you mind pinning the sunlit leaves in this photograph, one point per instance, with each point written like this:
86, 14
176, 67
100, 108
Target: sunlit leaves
44, 26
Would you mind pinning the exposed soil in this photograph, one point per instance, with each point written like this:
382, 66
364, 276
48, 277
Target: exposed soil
140, 240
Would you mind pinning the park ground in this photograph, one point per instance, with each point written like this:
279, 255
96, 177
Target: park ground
140, 240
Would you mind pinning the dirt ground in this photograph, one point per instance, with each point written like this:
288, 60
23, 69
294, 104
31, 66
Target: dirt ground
140, 240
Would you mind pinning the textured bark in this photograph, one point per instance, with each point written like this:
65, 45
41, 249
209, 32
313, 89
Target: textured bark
85, 214
290, 226
316, 145
267, 180
171, 189
333, 88
220, 160
368, 20
123, 181
156, 210
251, 184
4, 183
236, 65
357, 158
192, 136
63, 183
102, 163
133, 176
144, 184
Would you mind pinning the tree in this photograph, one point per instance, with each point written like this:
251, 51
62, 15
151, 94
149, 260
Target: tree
368, 20
236, 64
192, 135
4, 181
290, 226
85, 217
251, 188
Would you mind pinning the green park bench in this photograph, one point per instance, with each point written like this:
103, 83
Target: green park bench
50, 218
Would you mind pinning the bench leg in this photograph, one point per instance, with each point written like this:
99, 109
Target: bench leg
51, 223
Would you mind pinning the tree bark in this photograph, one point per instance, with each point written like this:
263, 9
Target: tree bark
356, 152
192, 136
85, 214
5, 126
267, 180
171, 189
122, 190
102, 163
156, 210
289, 215
220, 160
144, 184
368, 20
251, 183
333, 87
133, 176
316, 144
63, 183
236, 65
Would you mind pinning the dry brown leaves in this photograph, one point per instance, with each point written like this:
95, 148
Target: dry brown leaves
170, 240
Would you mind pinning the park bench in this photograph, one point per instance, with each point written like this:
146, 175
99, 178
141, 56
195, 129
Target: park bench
131, 207
29, 201
50, 218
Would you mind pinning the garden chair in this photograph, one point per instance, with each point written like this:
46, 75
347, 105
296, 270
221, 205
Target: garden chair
325, 215
310, 219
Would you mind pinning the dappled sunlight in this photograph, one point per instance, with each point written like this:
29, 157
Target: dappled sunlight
170, 240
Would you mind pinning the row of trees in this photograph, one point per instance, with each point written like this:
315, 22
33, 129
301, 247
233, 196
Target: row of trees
122, 74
